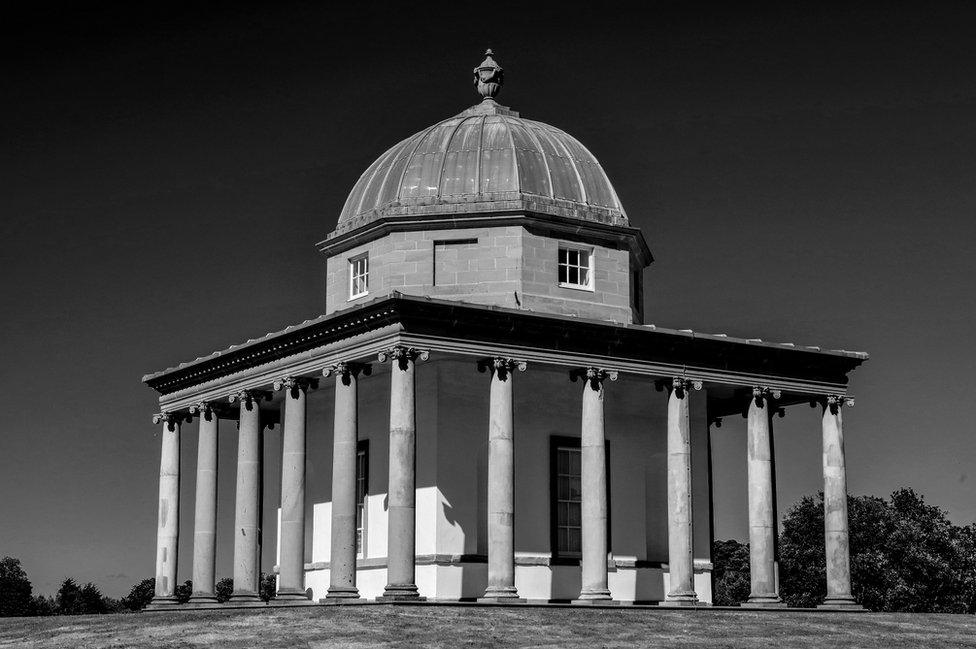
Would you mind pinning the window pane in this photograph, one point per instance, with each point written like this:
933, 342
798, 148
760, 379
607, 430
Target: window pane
563, 256
573, 275
573, 541
584, 277
563, 276
573, 514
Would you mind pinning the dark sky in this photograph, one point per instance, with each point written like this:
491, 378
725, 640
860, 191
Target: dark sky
801, 174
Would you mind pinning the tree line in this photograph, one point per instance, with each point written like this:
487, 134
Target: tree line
72, 598
906, 555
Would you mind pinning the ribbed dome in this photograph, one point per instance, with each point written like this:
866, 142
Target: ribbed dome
486, 155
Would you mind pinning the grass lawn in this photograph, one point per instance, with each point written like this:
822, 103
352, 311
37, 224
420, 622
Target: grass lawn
469, 626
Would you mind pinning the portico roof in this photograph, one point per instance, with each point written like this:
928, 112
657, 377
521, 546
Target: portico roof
461, 321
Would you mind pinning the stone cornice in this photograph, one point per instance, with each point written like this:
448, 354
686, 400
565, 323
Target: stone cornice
516, 214
471, 330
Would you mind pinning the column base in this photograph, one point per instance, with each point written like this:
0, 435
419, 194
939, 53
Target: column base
244, 597
292, 594
840, 604
162, 602
501, 595
601, 596
401, 593
203, 598
681, 599
342, 592
763, 601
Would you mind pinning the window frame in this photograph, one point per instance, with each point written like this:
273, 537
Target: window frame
590, 270
364, 257
362, 449
555, 443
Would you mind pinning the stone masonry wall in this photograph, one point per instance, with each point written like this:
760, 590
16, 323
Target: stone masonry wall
503, 266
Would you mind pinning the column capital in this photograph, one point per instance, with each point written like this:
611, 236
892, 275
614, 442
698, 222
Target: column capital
501, 365
762, 393
679, 385
402, 355
592, 375
294, 384
343, 370
208, 410
171, 419
249, 398
832, 402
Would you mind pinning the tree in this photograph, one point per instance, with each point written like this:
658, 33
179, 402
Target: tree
730, 572
73, 599
905, 555
224, 589
268, 586
140, 595
15, 588
41, 605
183, 592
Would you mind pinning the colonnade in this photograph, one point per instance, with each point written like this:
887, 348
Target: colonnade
401, 568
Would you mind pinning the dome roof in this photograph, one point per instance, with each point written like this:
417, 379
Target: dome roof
485, 159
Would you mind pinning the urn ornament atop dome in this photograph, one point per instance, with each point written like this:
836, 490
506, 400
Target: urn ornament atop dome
488, 76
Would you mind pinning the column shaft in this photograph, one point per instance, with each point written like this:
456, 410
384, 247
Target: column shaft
291, 566
168, 530
342, 572
401, 542
762, 525
594, 495
835, 510
501, 487
205, 514
680, 548
247, 515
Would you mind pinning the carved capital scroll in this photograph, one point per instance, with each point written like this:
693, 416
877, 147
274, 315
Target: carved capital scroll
171, 419
250, 398
593, 375
501, 366
403, 355
833, 402
679, 385
343, 370
294, 384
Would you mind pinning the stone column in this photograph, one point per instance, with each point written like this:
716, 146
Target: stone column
835, 506
593, 507
291, 563
205, 514
342, 563
168, 529
401, 543
762, 523
247, 515
681, 563
501, 480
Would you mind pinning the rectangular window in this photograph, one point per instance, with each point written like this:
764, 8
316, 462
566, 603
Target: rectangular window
568, 501
576, 267
362, 490
566, 491
358, 276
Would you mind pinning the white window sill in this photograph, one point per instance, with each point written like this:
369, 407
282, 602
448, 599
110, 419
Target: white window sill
356, 297
576, 287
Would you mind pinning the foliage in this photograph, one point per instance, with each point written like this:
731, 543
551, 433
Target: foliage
268, 586
41, 605
731, 572
905, 555
73, 599
224, 589
183, 592
15, 588
140, 595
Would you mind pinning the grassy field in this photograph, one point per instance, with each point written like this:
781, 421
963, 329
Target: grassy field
452, 626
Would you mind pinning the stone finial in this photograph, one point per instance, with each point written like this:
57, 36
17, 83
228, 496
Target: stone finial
488, 76
503, 367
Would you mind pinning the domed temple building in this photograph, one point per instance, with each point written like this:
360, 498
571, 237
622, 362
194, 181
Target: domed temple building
501, 424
